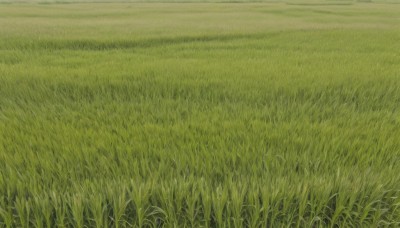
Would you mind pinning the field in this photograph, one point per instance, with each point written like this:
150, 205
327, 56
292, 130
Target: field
268, 114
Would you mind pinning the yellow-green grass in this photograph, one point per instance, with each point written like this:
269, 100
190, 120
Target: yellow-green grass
200, 114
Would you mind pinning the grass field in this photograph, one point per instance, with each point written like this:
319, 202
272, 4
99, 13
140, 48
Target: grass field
200, 114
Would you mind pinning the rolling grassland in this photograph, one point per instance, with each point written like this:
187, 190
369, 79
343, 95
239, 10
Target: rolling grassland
200, 114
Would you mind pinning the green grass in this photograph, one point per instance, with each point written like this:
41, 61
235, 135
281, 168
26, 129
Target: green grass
189, 115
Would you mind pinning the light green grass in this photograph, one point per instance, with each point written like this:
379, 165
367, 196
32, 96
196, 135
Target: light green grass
188, 115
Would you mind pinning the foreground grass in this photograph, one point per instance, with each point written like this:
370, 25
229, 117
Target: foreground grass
215, 115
